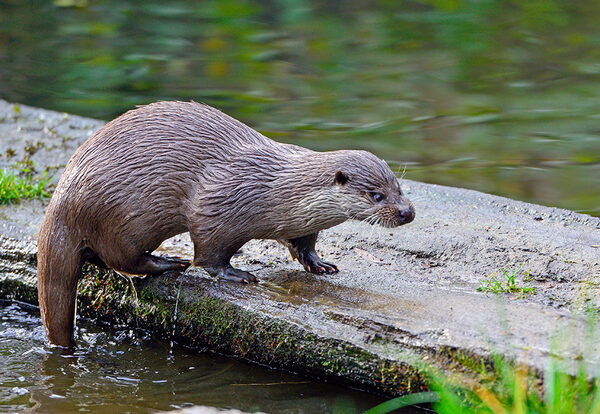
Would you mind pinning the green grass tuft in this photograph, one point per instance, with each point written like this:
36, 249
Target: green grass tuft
508, 388
515, 390
17, 186
505, 283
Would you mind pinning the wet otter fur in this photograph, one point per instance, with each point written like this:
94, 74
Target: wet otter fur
171, 167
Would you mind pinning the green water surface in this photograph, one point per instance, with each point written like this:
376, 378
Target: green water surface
500, 96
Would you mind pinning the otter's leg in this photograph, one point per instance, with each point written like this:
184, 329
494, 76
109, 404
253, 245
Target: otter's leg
215, 260
93, 258
303, 249
148, 264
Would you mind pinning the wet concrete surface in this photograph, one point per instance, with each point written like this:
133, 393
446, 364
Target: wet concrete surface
402, 297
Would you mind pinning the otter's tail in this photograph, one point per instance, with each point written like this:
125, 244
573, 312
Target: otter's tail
59, 264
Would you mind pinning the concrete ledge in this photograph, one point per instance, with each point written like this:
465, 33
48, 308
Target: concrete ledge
402, 297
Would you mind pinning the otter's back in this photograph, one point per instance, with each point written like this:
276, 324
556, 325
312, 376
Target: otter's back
142, 168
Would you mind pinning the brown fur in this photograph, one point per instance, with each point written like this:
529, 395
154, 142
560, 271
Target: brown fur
171, 167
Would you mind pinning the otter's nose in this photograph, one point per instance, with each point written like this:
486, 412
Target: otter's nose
406, 215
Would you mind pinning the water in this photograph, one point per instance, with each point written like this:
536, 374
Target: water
497, 96
129, 371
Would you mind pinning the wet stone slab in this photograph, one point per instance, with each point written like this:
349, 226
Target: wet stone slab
403, 297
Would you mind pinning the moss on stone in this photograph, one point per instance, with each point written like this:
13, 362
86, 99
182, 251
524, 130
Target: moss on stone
208, 322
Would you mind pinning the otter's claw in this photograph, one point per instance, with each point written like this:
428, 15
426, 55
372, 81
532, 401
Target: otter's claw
319, 267
303, 249
183, 263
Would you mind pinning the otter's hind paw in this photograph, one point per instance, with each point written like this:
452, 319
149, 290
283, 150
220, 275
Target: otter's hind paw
184, 263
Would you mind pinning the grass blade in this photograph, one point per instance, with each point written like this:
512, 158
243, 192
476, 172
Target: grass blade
404, 401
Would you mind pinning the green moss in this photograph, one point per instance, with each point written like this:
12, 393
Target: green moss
14, 288
208, 322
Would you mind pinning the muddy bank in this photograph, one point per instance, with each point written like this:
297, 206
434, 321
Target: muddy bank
403, 296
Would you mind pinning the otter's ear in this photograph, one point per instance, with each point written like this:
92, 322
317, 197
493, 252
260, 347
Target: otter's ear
341, 178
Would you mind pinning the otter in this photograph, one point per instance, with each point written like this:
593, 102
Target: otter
171, 167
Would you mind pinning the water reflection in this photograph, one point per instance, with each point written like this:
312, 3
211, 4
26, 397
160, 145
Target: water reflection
128, 371
493, 95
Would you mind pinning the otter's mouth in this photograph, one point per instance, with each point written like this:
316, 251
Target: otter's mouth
392, 216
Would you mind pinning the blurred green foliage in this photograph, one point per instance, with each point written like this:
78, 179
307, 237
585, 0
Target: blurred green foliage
496, 95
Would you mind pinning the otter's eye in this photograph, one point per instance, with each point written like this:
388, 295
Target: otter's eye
378, 197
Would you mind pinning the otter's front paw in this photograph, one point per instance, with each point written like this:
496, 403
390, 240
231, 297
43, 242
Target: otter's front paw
321, 267
237, 275
312, 263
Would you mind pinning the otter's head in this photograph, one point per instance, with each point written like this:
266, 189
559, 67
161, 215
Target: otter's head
371, 191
